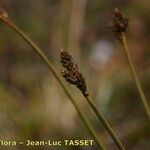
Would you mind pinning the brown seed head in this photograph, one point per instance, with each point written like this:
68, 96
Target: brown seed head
119, 23
67, 61
3, 14
72, 73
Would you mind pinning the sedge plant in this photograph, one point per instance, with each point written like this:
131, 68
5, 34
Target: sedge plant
72, 75
9, 23
119, 27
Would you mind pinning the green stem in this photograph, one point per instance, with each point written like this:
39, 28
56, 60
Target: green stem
105, 123
134, 75
50, 66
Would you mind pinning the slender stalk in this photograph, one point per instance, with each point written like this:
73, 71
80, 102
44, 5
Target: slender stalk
105, 123
51, 68
123, 42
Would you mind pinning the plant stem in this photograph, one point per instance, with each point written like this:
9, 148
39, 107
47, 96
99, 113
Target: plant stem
105, 123
51, 68
123, 42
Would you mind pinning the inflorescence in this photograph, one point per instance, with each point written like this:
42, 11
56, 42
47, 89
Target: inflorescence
119, 23
72, 73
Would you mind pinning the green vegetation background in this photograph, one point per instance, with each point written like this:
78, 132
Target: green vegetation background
33, 105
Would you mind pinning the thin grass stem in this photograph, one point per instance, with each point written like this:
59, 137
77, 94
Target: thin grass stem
105, 123
123, 42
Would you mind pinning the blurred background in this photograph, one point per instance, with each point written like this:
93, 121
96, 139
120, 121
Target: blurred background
32, 103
